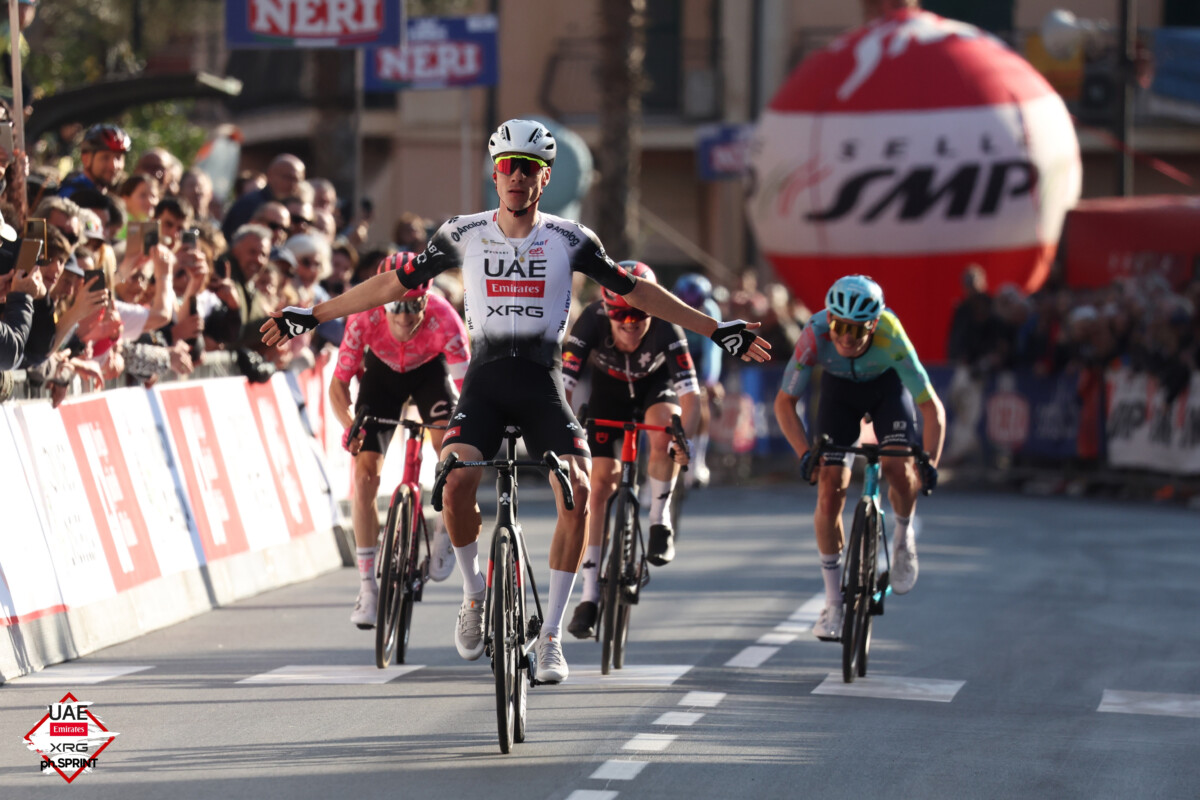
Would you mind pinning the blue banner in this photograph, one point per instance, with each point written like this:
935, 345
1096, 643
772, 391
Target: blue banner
1033, 415
722, 151
438, 53
313, 23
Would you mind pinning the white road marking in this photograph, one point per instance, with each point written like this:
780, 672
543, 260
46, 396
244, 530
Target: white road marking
810, 610
617, 770
752, 656
649, 742
653, 675
702, 699
891, 687
341, 675
592, 794
1160, 704
777, 637
681, 718
78, 674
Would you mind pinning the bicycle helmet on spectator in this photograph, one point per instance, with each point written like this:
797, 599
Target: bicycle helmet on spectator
693, 289
856, 298
636, 269
105, 137
524, 137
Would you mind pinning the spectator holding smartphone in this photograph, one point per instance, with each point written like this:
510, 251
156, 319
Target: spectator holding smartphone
18, 290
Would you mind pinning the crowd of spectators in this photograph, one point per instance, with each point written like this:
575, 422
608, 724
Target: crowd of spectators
142, 271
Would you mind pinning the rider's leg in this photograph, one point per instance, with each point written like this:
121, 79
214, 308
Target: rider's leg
662, 474
461, 514
566, 548
901, 474
827, 521
367, 468
441, 549
605, 476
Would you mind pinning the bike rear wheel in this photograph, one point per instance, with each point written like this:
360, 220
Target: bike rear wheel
856, 591
505, 645
391, 578
871, 574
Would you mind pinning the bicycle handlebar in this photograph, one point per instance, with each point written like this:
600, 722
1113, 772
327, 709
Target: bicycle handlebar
675, 429
362, 419
873, 452
549, 460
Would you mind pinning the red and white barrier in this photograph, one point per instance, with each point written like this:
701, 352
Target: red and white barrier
133, 509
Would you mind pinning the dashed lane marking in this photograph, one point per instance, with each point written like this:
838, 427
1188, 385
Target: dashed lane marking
78, 674
681, 719
1116, 701
649, 675
341, 675
702, 699
752, 656
618, 770
592, 794
777, 638
649, 742
891, 687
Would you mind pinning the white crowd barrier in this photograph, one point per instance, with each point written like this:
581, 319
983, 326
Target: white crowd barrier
1147, 432
130, 510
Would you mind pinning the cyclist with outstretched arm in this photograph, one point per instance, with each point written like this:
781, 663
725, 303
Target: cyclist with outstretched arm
640, 365
869, 367
517, 263
414, 348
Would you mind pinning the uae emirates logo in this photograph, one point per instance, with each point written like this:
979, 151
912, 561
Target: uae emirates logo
69, 738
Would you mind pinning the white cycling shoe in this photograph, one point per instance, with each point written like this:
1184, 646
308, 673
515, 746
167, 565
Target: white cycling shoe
551, 663
828, 627
365, 607
904, 568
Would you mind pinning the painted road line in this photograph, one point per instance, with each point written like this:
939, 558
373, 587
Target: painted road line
797, 628
890, 687
810, 610
77, 674
618, 770
649, 742
777, 637
702, 699
653, 675
340, 675
1159, 704
592, 794
681, 719
752, 656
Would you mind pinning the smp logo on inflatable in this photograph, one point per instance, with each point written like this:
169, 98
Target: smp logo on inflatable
906, 150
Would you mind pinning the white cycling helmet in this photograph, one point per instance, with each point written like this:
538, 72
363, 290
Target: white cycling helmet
524, 137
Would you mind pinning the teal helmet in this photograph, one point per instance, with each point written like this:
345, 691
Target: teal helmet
856, 298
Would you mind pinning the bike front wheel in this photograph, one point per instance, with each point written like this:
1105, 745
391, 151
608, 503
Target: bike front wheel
391, 571
505, 641
620, 543
858, 581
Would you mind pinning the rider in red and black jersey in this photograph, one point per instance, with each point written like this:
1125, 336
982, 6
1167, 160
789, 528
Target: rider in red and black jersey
640, 367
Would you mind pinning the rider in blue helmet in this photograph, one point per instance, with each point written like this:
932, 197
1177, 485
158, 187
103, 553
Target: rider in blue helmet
697, 291
869, 367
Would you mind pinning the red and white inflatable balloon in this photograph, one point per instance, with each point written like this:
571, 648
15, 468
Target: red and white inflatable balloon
906, 150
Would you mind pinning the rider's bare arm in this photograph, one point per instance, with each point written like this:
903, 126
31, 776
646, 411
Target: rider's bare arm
934, 435
789, 422
658, 302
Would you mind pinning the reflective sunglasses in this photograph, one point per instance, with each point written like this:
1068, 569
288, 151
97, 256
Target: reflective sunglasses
625, 315
855, 330
507, 165
407, 306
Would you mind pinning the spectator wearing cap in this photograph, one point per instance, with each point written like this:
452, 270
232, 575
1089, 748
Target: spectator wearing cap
91, 229
284, 175
277, 218
102, 156
284, 261
108, 207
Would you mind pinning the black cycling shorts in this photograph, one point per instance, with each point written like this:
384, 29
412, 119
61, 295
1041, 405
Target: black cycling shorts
382, 392
520, 392
844, 402
617, 399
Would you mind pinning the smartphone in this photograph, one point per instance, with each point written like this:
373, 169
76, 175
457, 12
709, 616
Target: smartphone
90, 275
221, 268
192, 305
31, 251
151, 237
6, 138
189, 238
36, 229
135, 237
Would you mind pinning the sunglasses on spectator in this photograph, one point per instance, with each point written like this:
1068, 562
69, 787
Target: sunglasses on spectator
407, 306
855, 330
276, 226
625, 315
507, 165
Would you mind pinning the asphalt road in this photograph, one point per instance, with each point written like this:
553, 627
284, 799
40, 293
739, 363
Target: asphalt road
1050, 649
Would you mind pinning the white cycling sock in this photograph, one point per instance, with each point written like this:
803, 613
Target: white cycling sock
902, 535
366, 565
468, 565
591, 574
561, 584
831, 573
660, 500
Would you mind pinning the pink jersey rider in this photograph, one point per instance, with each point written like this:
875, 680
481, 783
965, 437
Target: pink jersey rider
442, 332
